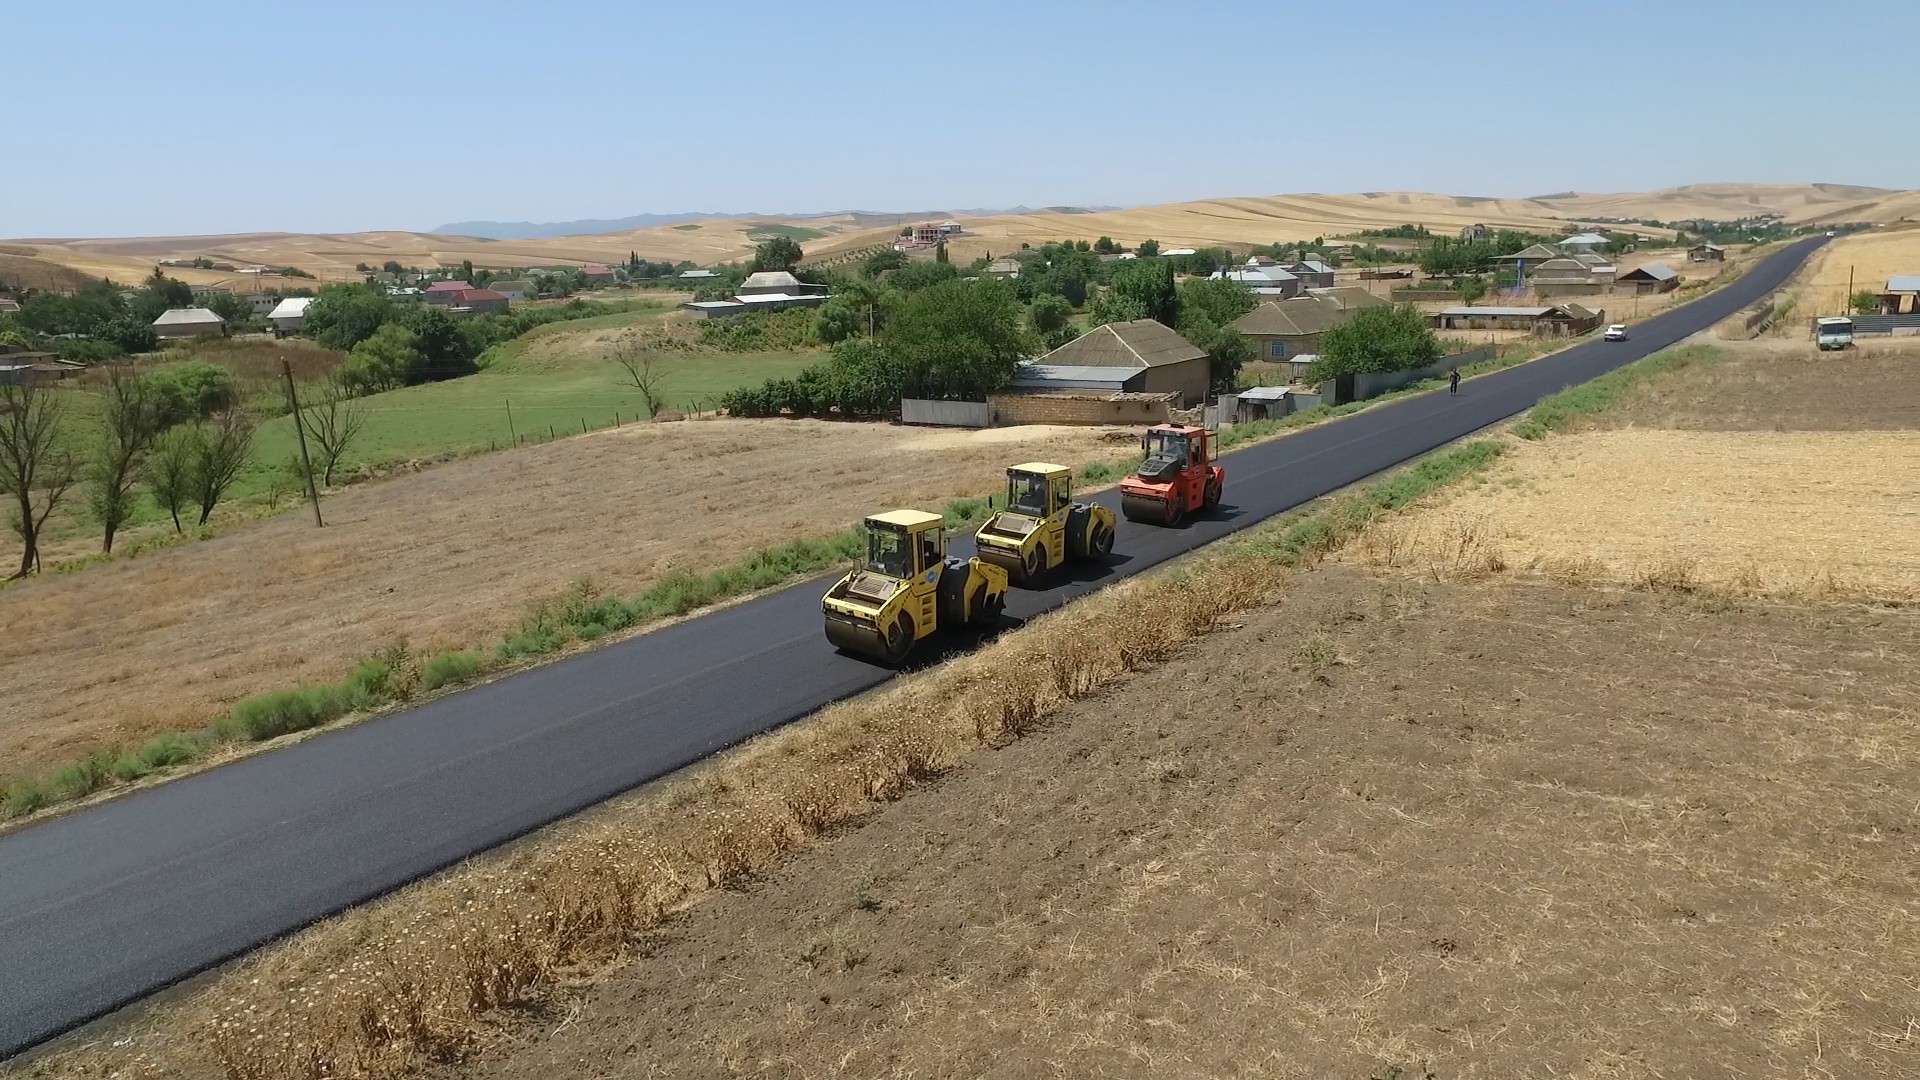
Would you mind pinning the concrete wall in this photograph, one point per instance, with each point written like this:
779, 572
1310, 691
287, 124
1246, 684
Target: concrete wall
1013, 409
1373, 385
976, 414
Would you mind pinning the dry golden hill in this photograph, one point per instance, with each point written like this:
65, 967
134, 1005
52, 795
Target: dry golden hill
1229, 221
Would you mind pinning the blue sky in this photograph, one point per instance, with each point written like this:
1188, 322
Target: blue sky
130, 119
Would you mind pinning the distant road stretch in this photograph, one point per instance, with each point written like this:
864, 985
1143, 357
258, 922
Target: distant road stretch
103, 906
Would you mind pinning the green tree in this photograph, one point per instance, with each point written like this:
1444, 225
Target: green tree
1142, 290
1106, 246
1148, 249
222, 449
234, 308
168, 470
194, 390
940, 252
444, 351
779, 253
392, 267
1208, 309
343, 316
131, 335
466, 270
920, 274
130, 422
1865, 302
881, 261
1377, 339
1472, 289
957, 340
387, 360
1052, 320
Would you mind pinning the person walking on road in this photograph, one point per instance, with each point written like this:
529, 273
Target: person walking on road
1453, 381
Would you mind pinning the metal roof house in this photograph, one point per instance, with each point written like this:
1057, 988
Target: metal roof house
1282, 329
513, 290
189, 322
1582, 242
1271, 281
1706, 253
1137, 356
1552, 320
1651, 278
698, 275
289, 315
768, 290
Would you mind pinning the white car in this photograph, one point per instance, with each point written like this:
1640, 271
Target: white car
1617, 332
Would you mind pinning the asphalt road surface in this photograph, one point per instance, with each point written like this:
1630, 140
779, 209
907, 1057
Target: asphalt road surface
104, 906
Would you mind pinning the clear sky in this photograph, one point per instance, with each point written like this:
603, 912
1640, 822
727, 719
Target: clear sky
141, 118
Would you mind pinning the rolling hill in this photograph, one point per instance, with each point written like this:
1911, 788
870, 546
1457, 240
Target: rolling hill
1227, 221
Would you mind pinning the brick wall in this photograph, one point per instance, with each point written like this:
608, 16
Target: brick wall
1014, 409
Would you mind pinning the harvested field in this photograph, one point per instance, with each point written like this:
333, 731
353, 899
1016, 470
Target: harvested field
451, 557
1506, 830
1776, 470
1867, 258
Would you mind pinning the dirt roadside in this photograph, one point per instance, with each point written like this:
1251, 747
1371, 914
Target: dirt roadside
1517, 829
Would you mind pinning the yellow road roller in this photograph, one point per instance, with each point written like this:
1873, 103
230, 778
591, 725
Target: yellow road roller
908, 588
1042, 526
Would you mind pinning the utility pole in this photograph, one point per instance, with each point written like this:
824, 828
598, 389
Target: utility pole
300, 432
1846, 306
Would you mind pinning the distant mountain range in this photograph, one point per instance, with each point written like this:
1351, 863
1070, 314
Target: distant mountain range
537, 230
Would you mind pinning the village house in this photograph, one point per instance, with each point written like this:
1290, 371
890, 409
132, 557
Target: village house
1530, 256
1553, 320
443, 292
1651, 278
1476, 231
478, 302
516, 289
596, 274
698, 275
1349, 297
1004, 267
1901, 296
1140, 356
1584, 243
9, 306
1282, 329
1313, 273
1571, 275
1701, 253
289, 315
1264, 278
192, 322
768, 290
19, 366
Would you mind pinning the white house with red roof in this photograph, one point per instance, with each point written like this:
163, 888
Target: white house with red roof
594, 272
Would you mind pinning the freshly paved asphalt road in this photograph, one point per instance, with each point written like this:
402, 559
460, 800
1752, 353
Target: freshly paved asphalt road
103, 906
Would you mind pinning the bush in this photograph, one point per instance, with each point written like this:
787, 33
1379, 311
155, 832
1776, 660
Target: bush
89, 350
269, 716
194, 390
451, 669
1377, 339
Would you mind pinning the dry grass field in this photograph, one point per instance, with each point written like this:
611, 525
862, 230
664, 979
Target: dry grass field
451, 557
1230, 221
1778, 471
1868, 259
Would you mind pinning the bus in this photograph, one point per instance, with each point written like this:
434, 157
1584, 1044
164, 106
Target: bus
1833, 333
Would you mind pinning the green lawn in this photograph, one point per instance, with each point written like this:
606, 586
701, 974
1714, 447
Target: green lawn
469, 414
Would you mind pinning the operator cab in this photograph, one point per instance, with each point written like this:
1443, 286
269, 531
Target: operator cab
902, 544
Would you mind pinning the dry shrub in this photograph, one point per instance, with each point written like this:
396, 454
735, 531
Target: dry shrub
1675, 574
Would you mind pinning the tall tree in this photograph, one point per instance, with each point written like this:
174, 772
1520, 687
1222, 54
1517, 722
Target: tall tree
36, 468
958, 340
168, 471
222, 451
779, 253
1143, 290
343, 316
333, 418
1148, 249
1377, 339
131, 420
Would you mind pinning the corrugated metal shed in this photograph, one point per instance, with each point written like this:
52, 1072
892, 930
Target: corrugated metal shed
1904, 283
293, 307
188, 316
